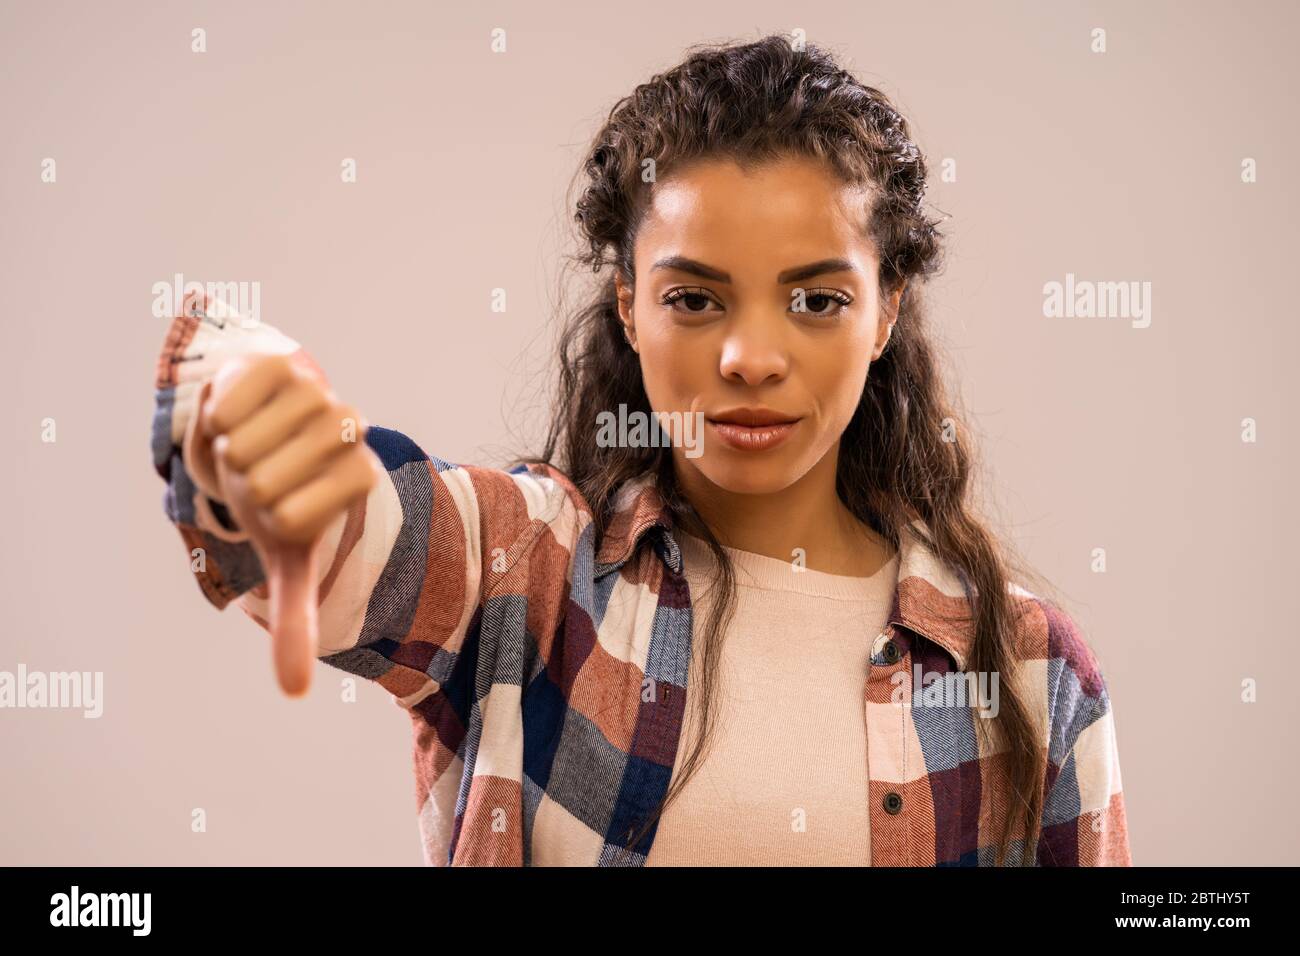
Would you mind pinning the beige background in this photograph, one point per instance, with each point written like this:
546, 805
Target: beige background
225, 166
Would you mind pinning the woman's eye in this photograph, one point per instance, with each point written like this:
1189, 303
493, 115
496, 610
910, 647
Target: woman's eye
823, 302
693, 301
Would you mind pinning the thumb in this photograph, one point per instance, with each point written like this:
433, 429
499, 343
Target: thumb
291, 574
290, 568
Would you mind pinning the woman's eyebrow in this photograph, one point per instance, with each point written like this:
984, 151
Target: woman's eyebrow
683, 264
797, 274
800, 273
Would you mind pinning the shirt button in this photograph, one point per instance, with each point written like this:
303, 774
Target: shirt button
892, 653
893, 802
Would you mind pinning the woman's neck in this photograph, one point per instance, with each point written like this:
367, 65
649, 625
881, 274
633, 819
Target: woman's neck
806, 519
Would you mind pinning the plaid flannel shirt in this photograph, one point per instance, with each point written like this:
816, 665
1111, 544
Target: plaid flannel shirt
545, 672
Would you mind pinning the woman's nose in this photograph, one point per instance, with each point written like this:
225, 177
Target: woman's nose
753, 352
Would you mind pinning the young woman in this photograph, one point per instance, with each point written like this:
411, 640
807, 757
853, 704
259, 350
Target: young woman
744, 634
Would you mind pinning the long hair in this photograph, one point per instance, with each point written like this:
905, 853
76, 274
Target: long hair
903, 455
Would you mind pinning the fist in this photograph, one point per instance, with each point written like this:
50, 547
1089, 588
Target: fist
288, 459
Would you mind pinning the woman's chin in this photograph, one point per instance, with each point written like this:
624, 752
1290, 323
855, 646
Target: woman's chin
750, 477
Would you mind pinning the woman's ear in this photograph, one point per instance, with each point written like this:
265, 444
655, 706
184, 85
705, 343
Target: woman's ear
888, 315
624, 294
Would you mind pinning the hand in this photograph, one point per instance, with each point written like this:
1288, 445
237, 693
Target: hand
288, 459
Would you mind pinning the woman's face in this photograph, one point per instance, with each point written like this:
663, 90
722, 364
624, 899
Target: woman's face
756, 303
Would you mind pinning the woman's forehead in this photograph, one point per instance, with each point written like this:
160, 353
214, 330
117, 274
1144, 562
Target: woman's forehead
788, 212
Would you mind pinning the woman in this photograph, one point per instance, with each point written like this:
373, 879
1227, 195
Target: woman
781, 573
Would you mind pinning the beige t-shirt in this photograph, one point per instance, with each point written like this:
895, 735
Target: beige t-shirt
785, 780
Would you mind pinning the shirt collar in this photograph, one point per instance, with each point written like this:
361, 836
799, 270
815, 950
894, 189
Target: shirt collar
930, 597
638, 509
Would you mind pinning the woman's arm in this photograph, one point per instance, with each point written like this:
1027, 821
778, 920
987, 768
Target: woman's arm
1083, 816
400, 574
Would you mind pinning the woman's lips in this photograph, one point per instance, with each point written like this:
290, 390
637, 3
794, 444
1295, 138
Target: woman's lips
753, 437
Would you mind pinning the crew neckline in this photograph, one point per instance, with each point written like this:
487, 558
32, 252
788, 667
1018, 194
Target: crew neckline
772, 574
